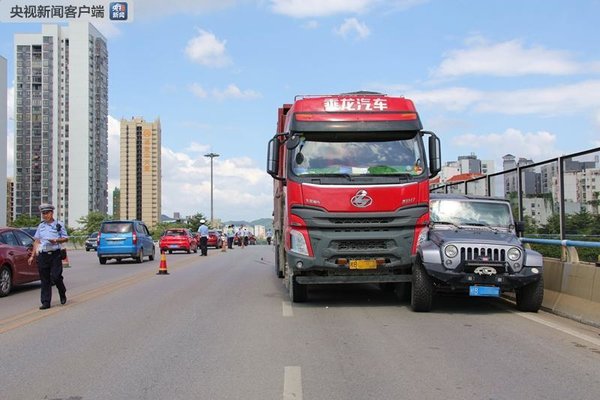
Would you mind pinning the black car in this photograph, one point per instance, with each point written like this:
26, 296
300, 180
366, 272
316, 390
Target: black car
91, 243
471, 246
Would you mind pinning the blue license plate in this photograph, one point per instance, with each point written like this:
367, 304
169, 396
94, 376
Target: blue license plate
173, 246
484, 291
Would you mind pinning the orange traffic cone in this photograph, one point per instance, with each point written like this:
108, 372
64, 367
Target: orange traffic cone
162, 269
224, 245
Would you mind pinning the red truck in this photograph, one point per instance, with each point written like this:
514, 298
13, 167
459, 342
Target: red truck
351, 190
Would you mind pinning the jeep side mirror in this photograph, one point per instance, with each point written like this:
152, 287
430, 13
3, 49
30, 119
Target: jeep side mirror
520, 228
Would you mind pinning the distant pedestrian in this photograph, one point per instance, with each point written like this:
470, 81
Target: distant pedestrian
243, 236
203, 231
269, 236
48, 237
230, 236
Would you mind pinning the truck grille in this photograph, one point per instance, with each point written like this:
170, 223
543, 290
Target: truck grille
360, 221
359, 245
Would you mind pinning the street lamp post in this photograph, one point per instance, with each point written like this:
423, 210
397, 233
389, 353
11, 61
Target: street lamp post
211, 156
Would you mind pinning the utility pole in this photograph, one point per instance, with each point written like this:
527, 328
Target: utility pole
211, 156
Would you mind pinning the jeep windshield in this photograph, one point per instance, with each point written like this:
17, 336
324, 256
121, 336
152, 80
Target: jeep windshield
470, 213
393, 157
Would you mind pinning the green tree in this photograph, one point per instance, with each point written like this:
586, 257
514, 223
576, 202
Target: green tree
91, 222
24, 220
194, 221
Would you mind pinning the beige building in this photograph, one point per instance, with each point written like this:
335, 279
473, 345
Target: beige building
140, 196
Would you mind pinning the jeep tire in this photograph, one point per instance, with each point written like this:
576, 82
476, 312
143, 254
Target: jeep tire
530, 297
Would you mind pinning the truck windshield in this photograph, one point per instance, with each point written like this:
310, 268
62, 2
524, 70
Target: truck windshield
474, 213
358, 158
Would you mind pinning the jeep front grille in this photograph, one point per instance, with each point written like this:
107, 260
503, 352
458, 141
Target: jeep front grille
468, 253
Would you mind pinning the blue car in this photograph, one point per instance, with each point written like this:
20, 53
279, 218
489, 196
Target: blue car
124, 239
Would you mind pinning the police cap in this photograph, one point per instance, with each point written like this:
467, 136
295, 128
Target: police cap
46, 207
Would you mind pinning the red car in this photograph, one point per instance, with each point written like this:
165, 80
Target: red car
15, 249
214, 239
178, 239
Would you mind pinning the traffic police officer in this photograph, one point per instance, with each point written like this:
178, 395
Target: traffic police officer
49, 235
203, 231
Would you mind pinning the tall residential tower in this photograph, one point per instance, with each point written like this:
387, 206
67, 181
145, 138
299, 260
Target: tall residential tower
140, 188
61, 121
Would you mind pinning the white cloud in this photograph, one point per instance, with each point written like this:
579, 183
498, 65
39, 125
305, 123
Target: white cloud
510, 58
557, 100
186, 186
198, 91
319, 8
453, 99
206, 49
538, 146
233, 92
312, 24
353, 26
186, 181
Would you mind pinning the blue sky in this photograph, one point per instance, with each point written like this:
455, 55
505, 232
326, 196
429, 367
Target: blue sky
489, 77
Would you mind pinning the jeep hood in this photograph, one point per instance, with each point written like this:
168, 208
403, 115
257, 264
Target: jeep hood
475, 236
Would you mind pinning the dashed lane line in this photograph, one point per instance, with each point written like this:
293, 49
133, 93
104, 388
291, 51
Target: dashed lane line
288, 311
292, 383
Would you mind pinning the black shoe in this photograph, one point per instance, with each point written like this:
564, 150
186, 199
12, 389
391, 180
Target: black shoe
44, 306
63, 299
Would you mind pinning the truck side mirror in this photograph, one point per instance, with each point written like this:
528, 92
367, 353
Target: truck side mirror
435, 155
273, 157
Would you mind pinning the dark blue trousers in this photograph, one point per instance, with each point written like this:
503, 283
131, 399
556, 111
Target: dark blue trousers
50, 268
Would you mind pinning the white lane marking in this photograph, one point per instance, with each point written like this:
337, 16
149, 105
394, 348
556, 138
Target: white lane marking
552, 325
292, 383
288, 311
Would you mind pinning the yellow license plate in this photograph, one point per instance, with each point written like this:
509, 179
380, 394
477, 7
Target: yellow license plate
363, 264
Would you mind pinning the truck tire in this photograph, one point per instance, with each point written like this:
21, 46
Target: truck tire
530, 297
278, 269
421, 297
298, 292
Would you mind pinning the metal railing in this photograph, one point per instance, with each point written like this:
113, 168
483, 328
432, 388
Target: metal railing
557, 198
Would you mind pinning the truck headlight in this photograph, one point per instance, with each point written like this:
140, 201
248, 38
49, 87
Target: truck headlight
298, 243
451, 251
514, 254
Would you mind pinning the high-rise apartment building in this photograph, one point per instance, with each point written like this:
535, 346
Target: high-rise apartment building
61, 121
10, 196
140, 170
3, 133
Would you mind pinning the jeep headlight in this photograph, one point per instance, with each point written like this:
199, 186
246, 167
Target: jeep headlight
451, 251
298, 243
514, 254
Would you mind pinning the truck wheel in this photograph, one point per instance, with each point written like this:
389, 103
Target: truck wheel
421, 297
5, 281
530, 297
278, 269
298, 292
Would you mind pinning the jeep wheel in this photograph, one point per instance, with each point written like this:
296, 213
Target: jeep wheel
298, 292
530, 297
421, 297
